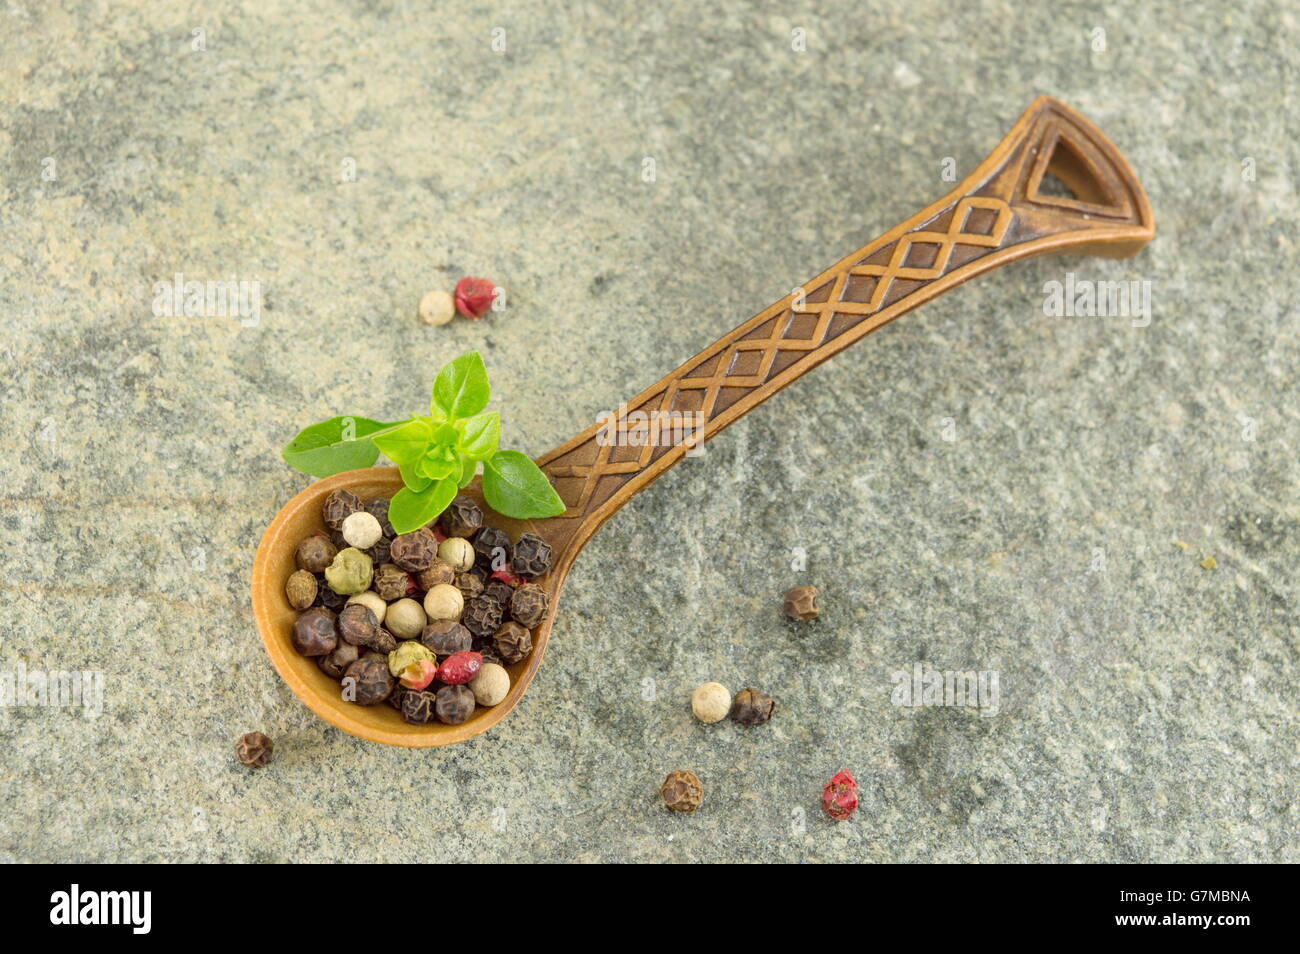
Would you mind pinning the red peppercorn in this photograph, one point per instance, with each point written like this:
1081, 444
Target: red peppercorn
840, 796
474, 296
508, 577
460, 668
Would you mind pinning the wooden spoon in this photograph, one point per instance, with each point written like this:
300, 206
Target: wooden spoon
997, 214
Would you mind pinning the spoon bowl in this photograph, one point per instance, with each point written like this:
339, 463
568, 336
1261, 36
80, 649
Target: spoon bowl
1001, 212
274, 563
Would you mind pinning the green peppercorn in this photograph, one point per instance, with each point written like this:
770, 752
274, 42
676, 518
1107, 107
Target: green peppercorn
461, 518
300, 589
338, 506
528, 604
512, 642
314, 632
454, 704
532, 556
408, 653
315, 552
350, 572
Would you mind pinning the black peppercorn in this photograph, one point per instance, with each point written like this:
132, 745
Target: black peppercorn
384, 641
501, 592
338, 506
377, 507
491, 549
368, 680
395, 697
801, 603
487, 649
419, 707
340, 542
528, 604
381, 552
469, 585
455, 704
461, 518
357, 624
336, 663
254, 749
512, 643
443, 637
414, 551
752, 707
482, 615
330, 600
315, 553
391, 582
314, 632
532, 556
439, 572
682, 791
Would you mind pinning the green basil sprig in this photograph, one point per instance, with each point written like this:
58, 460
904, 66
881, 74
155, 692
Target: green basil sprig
436, 454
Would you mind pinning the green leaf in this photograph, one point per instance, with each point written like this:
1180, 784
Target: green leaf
439, 462
406, 443
412, 477
516, 487
467, 471
461, 387
479, 435
333, 446
410, 510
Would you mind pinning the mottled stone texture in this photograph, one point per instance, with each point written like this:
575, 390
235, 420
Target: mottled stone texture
978, 486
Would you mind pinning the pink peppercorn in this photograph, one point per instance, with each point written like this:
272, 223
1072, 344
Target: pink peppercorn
459, 668
474, 296
840, 796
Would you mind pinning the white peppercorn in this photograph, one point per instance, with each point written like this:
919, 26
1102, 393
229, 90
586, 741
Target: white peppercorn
457, 552
406, 619
437, 308
444, 601
362, 530
491, 684
711, 701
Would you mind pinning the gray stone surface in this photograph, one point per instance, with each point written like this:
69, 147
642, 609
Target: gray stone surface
1148, 706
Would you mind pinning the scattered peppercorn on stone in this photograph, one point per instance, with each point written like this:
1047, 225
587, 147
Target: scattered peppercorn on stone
254, 749
801, 603
840, 796
682, 791
437, 308
752, 707
711, 702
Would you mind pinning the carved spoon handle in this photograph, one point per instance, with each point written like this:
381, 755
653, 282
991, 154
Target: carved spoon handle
997, 214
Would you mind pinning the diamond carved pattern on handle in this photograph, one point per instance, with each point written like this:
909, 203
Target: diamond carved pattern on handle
978, 222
